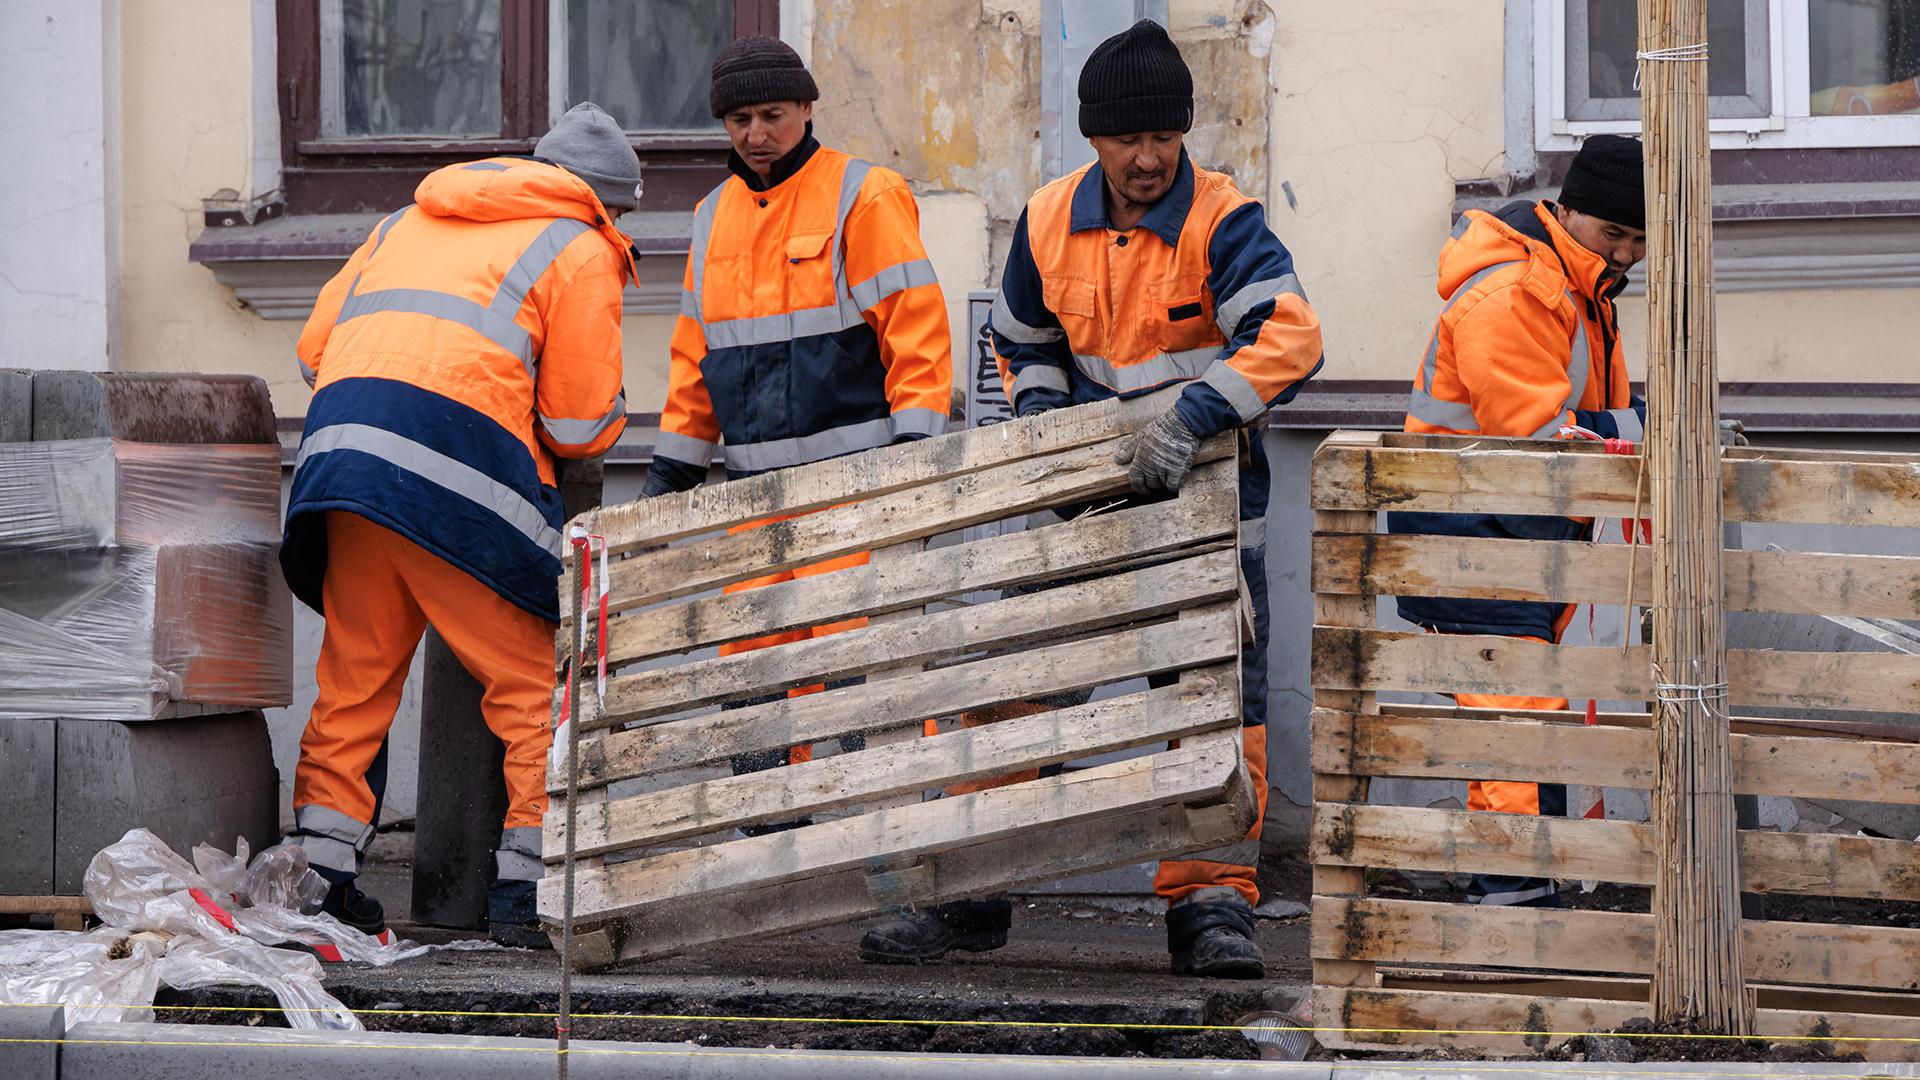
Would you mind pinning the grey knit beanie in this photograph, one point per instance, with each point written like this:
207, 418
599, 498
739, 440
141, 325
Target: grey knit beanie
591, 145
756, 69
1136, 81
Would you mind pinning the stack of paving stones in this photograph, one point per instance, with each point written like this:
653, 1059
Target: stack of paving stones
191, 770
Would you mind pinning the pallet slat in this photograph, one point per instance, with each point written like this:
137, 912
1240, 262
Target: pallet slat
1205, 768
1501, 1023
1044, 554
1457, 841
1601, 756
1348, 658
1415, 932
1202, 701
1089, 605
937, 506
1473, 567
909, 699
1043, 854
1497, 478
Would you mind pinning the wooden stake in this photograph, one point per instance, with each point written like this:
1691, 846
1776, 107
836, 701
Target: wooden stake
1698, 980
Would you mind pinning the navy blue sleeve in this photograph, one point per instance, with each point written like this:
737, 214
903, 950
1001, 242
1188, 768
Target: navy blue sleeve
1629, 423
1273, 337
666, 475
1028, 341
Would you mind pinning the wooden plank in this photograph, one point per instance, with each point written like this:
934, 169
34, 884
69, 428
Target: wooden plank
1457, 841
1497, 478
1086, 473
1346, 658
1523, 1025
1202, 769
1045, 853
714, 507
1744, 725
1045, 554
1416, 932
1090, 605
1207, 701
978, 684
1603, 756
1799, 582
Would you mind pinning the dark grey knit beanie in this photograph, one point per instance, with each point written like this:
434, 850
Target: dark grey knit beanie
1607, 180
1136, 81
756, 69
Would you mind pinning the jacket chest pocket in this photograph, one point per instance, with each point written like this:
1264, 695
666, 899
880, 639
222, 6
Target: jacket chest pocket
809, 270
1183, 314
1071, 301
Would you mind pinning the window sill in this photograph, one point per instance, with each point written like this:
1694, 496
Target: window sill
277, 268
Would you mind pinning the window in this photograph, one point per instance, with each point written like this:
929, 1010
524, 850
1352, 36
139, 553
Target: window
374, 94
1781, 73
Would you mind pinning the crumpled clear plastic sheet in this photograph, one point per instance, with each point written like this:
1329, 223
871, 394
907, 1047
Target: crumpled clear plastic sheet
170, 922
133, 575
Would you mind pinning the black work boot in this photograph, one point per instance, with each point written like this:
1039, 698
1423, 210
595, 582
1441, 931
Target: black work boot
354, 908
919, 937
513, 918
1214, 938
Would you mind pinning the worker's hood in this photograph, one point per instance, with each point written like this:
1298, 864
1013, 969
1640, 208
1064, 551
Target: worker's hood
1525, 232
512, 188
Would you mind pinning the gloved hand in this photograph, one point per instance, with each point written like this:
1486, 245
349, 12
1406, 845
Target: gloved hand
1733, 433
1161, 455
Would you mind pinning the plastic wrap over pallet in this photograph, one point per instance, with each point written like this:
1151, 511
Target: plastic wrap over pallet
138, 575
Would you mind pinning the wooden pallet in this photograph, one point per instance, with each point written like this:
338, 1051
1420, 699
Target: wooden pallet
67, 912
1501, 980
1149, 590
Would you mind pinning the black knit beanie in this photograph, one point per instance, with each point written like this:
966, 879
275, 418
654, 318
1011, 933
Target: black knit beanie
756, 69
1605, 180
1135, 81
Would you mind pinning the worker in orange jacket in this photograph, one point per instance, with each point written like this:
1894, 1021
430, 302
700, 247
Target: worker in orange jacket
810, 323
1527, 344
472, 339
1140, 273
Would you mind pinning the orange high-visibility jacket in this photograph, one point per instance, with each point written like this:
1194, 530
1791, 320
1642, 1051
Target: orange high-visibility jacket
1527, 343
810, 323
475, 335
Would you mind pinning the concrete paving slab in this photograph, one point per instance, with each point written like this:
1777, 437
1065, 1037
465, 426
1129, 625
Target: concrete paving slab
27, 807
157, 407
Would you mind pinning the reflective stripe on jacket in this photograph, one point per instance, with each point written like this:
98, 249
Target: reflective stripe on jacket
475, 335
1199, 291
1526, 342
810, 324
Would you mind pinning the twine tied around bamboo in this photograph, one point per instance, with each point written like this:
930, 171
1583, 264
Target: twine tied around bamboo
1679, 54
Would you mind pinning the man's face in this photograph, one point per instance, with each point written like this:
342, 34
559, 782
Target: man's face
1623, 246
1139, 167
763, 134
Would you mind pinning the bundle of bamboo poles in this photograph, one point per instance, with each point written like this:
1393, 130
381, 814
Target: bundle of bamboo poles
1698, 980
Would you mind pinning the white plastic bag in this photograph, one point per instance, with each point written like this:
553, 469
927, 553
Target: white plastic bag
292, 977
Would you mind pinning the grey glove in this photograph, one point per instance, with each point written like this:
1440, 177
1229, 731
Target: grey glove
1161, 455
1733, 433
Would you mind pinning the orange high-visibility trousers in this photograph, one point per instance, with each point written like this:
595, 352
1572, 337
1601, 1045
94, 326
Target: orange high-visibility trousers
804, 752
381, 591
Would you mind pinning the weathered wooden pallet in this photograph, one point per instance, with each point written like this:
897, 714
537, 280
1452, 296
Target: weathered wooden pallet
1115, 594
67, 912
1502, 980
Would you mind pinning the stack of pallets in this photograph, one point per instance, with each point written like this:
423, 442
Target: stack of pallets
1401, 973
1118, 592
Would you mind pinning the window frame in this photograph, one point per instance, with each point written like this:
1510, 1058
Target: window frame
323, 175
1788, 124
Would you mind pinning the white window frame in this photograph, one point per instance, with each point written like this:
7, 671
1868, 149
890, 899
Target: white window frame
1789, 125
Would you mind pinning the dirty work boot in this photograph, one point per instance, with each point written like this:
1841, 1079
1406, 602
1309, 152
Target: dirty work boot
354, 908
512, 916
1214, 938
919, 937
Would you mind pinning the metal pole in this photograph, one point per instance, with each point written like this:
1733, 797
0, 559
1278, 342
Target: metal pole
564, 1022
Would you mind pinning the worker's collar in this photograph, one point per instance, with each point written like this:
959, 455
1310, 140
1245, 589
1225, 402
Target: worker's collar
783, 168
1164, 218
1586, 270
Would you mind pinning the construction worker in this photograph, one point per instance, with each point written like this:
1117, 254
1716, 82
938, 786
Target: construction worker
1139, 273
473, 338
1527, 344
810, 324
